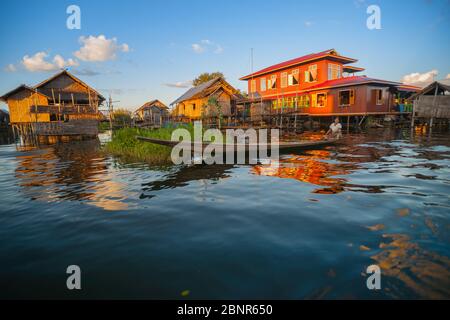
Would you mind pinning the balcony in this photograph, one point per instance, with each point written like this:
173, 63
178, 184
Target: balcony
71, 109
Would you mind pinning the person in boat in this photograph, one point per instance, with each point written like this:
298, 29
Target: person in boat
335, 129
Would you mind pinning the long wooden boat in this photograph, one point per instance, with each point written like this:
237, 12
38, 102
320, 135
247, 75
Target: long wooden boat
305, 144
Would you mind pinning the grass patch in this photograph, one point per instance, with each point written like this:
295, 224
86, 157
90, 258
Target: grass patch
125, 145
103, 126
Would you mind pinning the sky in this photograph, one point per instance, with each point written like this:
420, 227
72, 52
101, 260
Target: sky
137, 51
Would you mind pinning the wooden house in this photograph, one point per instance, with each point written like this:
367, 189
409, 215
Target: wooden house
320, 84
153, 111
207, 101
432, 102
62, 105
4, 118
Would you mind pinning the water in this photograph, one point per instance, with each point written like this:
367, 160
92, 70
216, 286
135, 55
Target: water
308, 229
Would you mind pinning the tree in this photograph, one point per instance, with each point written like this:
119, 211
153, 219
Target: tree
122, 117
216, 109
242, 93
206, 76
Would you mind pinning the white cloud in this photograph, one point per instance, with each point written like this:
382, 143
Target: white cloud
308, 24
38, 62
99, 48
10, 68
198, 48
448, 76
181, 84
60, 63
206, 45
419, 78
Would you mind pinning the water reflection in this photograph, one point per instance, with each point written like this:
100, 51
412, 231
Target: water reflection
310, 168
382, 198
75, 171
425, 273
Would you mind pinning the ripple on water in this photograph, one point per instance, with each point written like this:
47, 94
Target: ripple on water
306, 227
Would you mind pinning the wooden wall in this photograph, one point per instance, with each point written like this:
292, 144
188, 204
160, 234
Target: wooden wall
64, 86
322, 75
428, 107
186, 108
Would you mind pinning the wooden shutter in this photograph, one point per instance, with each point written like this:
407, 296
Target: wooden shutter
352, 97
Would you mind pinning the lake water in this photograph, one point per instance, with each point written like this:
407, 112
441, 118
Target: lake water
307, 229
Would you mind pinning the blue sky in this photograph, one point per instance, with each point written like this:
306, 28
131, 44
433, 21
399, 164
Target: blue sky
151, 49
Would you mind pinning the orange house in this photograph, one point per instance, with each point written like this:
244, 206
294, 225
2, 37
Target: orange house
324, 84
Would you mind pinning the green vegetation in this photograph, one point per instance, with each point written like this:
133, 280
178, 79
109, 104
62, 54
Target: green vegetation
206, 76
121, 117
103, 126
125, 145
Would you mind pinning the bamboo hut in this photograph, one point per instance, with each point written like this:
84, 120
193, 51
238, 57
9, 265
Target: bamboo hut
153, 113
208, 101
432, 101
62, 105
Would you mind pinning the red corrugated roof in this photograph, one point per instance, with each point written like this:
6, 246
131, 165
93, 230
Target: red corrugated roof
355, 80
312, 56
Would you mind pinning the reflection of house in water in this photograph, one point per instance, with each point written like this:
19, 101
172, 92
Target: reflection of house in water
75, 171
185, 175
315, 167
309, 168
424, 273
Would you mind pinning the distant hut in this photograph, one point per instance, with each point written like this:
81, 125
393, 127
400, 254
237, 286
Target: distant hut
4, 118
432, 102
154, 112
62, 105
207, 101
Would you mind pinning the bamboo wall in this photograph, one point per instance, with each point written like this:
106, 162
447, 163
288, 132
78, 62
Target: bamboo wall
19, 106
186, 108
428, 107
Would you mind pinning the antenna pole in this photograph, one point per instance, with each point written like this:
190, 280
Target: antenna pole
110, 109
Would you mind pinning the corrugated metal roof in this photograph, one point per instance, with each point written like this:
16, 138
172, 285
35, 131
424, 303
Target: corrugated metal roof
355, 80
195, 90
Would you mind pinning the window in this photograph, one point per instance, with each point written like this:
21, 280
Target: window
284, 79
378, 93
346, 98
304, 101
334, 71
253, 86
311, 73
263, 84
319, 100
193, 107
273, 82
293, 79
53, 117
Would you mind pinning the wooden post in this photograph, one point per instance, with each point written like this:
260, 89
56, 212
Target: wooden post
413, 113
434, 106
348, 124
